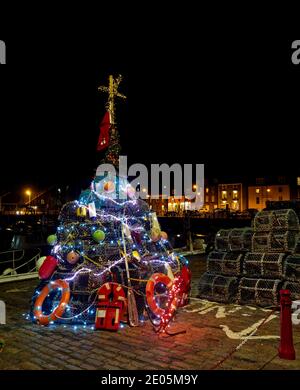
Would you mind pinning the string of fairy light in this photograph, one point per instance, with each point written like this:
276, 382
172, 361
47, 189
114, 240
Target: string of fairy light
123, 220
74, 246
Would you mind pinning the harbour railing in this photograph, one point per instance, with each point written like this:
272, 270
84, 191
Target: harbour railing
15, 266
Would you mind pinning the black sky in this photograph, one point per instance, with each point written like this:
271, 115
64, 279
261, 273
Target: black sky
231, 103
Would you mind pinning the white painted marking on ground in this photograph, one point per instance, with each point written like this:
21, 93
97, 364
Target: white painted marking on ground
245, 332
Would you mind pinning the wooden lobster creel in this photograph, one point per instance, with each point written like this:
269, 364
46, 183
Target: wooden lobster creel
222, 240
291, 270
261, 241
233, 240
225, 263
294, 288
218, 288
283, 241
267, 220
260, 292
269, 265
240, 239
277, 241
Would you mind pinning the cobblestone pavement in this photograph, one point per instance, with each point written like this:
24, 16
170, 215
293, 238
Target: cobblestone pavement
212, 331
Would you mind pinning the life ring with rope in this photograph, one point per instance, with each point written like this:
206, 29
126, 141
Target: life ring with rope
150, 293
44, 319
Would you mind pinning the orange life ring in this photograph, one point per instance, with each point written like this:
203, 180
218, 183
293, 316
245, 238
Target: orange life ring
150, 288
43, 319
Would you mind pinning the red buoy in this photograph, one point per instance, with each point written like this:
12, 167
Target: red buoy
48, 267
286, 348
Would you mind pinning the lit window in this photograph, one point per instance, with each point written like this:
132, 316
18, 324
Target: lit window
213, 198
268, 190
235, 194
207, 190
224, 194
257, 190
298, 181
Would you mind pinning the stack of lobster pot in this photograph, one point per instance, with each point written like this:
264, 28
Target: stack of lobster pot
271, 264
224, 265
291, 273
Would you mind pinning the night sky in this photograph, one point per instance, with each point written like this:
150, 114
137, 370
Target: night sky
231, 103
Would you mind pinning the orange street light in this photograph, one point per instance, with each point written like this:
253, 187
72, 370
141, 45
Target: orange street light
28, 192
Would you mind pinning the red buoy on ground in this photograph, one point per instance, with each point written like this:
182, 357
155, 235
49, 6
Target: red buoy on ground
286, 347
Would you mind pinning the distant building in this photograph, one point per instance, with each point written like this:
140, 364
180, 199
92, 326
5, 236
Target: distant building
210, 198
258, 195
236, 196
231, 196
170, 205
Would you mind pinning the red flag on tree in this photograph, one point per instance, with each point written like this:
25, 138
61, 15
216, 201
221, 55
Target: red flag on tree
103, 140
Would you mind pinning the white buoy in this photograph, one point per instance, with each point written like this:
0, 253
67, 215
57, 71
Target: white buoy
9, 271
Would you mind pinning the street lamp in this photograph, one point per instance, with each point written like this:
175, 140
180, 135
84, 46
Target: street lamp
28, 192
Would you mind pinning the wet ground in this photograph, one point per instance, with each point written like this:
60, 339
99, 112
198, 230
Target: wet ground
212, 331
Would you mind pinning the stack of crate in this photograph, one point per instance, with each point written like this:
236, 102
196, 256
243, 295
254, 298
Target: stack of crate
251, 266
291, 274
224, 265
275, 231
268, 267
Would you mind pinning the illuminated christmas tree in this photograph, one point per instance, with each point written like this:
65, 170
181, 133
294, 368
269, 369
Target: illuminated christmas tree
110, 261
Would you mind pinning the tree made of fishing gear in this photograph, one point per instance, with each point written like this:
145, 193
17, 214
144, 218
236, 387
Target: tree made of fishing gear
110, 263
